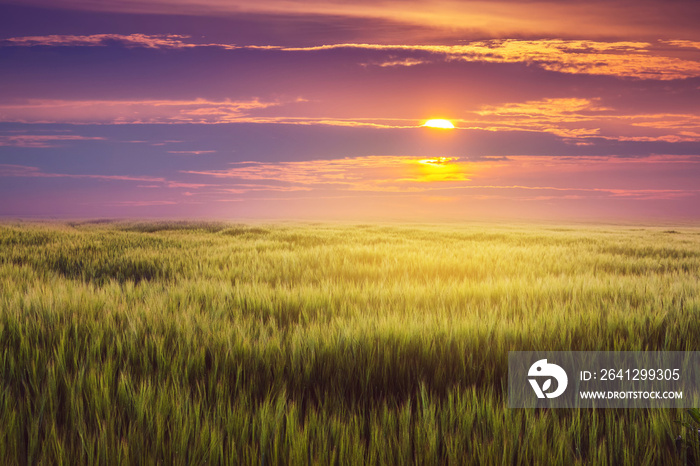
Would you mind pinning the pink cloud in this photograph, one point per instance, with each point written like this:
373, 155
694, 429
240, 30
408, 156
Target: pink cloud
178, 184
246, 188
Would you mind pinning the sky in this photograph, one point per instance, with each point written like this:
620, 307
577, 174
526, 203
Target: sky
295, 110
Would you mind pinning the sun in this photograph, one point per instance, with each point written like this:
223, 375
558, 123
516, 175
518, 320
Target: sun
444, 124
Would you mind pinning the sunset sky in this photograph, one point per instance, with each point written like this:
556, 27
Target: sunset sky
290, 109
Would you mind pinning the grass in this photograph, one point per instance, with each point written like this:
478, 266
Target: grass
193, 343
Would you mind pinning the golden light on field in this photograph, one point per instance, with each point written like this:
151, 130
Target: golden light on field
438, 123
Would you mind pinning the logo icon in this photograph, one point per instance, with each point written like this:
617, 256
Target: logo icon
542, 369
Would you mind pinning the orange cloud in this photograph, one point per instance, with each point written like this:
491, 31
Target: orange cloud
566, 109
401, 62
562, 117
577, 118
639, 60
683, 43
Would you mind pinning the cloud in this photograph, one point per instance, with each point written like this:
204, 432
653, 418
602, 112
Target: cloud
633, 194
611, 18
385, 123
179, 184
198, 111
130, 111
403, 184
641, 60
567, 178
158, 41
246, 188
371, 173
683, 43
562, 117
400, 62
574, 119
577, 118
628, 59
191, 152
41, 140
140, 203
7, 170
563, 108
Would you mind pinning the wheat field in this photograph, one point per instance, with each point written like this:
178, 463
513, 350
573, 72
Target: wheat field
217, 343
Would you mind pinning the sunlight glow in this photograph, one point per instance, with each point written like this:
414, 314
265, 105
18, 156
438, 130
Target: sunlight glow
444, 124
437, 160
440, 169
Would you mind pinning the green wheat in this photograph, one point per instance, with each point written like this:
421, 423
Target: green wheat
193, 343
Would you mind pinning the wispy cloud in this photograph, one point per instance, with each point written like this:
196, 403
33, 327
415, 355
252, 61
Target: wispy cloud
567, 109
632, 194
151, 41
131, 111
641, 60
42, 140
611, 18
247, 188
379, 122
141, 203
577, 118
180, 184
372, 173
191, 152
199, 111
630, 59
445, 176
574, 119
683, 43
399, 62
565, 117
7, 170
